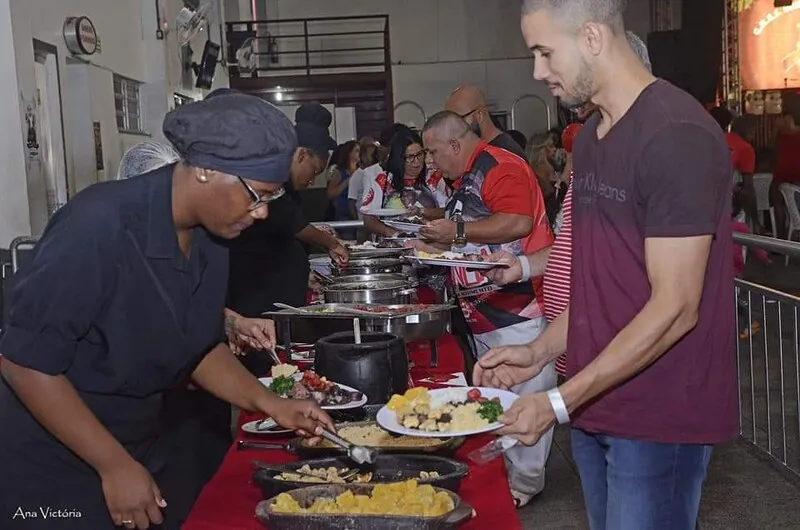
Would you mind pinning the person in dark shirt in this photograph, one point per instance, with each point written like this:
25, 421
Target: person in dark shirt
123, 302
650, 326
269, 261
469, 102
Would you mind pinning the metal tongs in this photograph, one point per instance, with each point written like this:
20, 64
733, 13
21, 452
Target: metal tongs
492, 450
357, 453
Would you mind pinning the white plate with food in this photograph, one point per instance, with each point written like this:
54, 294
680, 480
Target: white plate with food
385, 212
291, 384
445, 412
455, 259
411, 226
266, 427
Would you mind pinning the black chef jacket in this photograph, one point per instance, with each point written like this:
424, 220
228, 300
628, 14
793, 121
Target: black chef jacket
111, 303
268, 263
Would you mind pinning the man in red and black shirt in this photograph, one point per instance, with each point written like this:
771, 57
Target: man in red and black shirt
496, 205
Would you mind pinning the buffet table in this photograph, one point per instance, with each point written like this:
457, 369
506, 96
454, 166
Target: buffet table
228, 502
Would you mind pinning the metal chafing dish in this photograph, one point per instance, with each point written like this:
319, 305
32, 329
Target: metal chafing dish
362, 253
367, 278
371, 292
310, 323
369, 266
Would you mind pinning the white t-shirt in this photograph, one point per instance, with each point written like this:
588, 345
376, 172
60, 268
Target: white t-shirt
371, 190
355, 190
377, 184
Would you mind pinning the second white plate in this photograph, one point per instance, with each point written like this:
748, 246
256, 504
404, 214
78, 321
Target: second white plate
456, 263
266, 381
388, 419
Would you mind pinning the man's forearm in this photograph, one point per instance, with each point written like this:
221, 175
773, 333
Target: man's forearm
538, 261
657, 327
223, 376
552, 343
498, 229
55, 404
314, 236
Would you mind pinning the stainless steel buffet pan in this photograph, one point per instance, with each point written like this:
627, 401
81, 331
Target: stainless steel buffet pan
319, 321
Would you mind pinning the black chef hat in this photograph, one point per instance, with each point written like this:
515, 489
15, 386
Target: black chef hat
234, 133
311, 125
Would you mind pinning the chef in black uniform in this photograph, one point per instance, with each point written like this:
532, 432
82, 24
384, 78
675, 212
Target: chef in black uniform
123, 301
269, 261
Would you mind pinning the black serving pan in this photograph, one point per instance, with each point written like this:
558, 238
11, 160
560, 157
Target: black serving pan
386, 469
306, 496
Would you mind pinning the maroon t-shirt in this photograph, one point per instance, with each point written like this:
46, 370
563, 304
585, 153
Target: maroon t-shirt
663, 170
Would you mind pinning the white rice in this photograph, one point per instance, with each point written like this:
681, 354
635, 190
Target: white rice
450, 395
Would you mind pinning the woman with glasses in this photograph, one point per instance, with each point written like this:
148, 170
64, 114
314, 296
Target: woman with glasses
405, 183
122, 303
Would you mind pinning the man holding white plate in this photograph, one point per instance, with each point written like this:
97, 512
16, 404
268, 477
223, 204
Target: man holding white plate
496, 205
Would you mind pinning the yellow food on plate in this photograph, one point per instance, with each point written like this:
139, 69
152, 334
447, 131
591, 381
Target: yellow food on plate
453, 410
402, 498
412, 397
285, 370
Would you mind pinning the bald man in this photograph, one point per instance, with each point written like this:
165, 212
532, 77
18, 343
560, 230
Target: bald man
469, 102
496, 205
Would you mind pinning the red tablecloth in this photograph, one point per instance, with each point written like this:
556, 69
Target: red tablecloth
228, 501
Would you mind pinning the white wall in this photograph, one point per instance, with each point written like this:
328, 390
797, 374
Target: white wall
127, 33
14, 210
437, 45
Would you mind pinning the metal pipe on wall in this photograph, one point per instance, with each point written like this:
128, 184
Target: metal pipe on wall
530, 96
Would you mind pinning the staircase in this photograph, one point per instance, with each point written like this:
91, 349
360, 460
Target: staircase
344, 61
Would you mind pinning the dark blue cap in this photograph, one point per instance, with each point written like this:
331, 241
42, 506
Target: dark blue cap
234, 133
311, 125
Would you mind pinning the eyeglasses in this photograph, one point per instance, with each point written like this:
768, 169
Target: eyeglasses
260, 200
419, 156
470, 113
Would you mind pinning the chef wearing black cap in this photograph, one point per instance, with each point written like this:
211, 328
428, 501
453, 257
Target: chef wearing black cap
121, 303
269, 261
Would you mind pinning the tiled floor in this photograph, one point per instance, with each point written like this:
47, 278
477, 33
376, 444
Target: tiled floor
744, 490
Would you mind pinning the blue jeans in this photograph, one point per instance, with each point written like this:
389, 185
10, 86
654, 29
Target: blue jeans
636, 485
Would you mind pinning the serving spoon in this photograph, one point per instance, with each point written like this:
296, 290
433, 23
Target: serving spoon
357, 453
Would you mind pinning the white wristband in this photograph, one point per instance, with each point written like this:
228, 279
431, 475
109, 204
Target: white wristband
559, 407
526, 268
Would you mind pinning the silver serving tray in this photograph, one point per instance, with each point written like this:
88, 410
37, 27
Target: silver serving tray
310, 323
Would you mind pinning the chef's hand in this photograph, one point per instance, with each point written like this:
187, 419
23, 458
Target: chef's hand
256, 333
439, 231
506, 367
314, 284
504, 275
339, 254
132, 497
528, 418
304, 416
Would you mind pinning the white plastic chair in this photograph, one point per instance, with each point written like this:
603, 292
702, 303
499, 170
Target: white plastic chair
791, 196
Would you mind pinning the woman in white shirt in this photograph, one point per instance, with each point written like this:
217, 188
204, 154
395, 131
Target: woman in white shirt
404, 182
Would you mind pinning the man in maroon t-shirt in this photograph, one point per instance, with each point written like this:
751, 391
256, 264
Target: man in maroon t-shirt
650, 325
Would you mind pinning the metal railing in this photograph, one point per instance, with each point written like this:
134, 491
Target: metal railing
768, 361
307, 46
